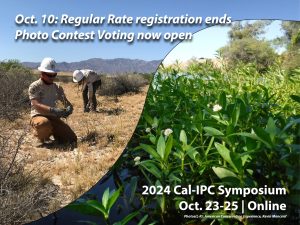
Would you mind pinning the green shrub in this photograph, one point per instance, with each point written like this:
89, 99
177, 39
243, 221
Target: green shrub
249, 50
14, 82
203, 126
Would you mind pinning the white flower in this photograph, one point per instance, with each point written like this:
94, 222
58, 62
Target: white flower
217, 108
136, 159
168, 131
148, 129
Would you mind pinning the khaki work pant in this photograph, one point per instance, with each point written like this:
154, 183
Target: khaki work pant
44, 127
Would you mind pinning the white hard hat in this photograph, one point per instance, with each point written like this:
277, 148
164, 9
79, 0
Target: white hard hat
48, 65
77, 76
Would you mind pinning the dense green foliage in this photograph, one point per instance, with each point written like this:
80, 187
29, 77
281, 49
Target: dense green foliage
201, 126
249, 50
237, 126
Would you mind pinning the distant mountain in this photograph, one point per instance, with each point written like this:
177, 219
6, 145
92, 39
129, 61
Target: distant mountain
110, 66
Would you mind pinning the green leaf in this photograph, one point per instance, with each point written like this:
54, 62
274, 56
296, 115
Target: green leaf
155, 122
133, 185
227, 176
244, 158
182, 137
127, 218
151, 151
237, 161
229, 129
148, 118
243, 109
84, 208
174, 178
222, 99
250, 144
193, 154
194, 127
263, 136
217, 118
142, 221
235, 114
169, 146
150, 167
245, 134
162, 202
161, 146
179, 154
97, 205
232, 158
209, 146
249, 135
105, 198
271, 128
212, 131
112, 199
223, 173
152, 138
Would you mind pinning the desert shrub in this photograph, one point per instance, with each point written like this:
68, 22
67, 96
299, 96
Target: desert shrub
121, 84
147, 76
23, 195
14, 82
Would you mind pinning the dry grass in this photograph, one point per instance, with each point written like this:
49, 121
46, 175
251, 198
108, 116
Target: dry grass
103, 136
24, 194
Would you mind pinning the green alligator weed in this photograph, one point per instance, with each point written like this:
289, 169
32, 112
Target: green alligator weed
206, 126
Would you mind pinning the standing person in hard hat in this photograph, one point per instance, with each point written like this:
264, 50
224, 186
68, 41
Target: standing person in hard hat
44, 95
90, 82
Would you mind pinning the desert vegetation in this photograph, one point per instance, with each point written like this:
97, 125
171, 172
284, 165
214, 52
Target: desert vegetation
23, 194
35, 181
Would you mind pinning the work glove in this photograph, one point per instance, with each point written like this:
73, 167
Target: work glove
69, 110
58, 112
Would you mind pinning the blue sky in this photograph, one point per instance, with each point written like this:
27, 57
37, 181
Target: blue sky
75, 51
206, 42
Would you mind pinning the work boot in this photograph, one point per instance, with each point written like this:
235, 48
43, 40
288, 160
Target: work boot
45, 144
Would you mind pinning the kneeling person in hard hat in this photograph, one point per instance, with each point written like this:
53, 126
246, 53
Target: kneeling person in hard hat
44, 95
90, 81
